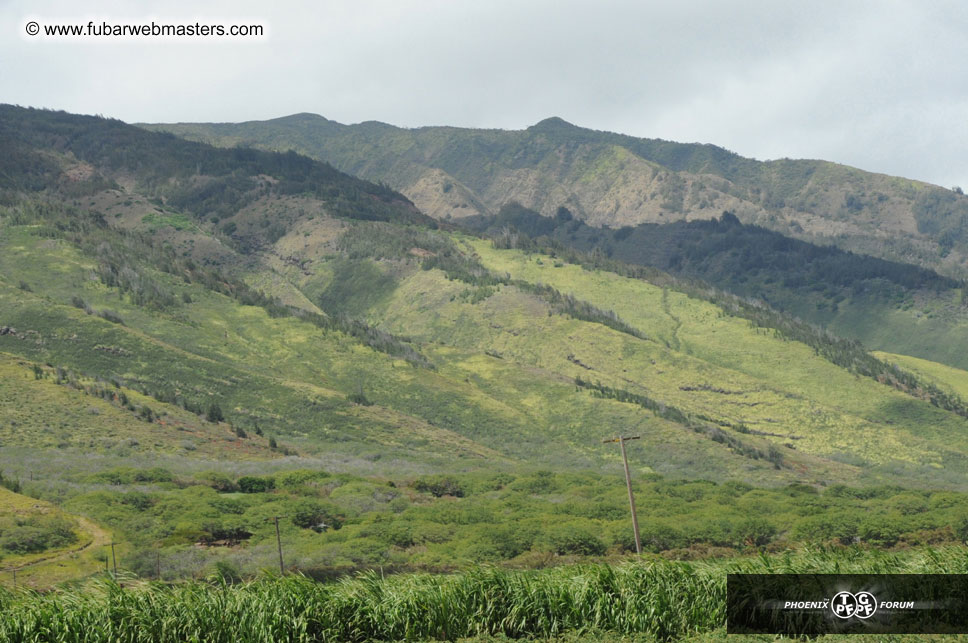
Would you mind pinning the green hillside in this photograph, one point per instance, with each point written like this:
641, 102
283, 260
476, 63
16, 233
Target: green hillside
952, 379
873, 258
611, 179
886, 305
224, 345
194, 341
41, 544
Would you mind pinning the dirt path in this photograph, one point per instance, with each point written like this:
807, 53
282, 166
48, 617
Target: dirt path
98, 538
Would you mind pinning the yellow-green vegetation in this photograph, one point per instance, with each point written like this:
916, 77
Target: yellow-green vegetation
497, 367
175, 220
505, 360
40, 545
207, 350
212, 349
45, 407
195, 342
187, 520
941, 375
893, 306
696, 358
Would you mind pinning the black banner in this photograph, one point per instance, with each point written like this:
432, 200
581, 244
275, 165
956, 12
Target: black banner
814, 604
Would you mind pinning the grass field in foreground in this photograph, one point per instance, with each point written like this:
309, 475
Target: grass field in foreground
645, 601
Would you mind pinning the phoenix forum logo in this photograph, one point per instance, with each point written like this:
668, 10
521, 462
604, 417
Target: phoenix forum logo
845, 605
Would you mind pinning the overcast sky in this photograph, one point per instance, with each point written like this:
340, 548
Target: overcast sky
878, 85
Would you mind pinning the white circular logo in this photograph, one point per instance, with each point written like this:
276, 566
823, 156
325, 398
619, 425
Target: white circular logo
845, 605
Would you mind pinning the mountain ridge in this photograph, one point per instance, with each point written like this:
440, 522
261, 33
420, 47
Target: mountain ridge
614, 179
613, 182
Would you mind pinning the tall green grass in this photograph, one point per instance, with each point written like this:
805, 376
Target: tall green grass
657, 599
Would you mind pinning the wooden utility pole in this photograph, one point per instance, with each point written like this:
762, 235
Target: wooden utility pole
628, 483
282, 568
114, 561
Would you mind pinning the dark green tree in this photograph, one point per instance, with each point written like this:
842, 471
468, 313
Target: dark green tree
214, 413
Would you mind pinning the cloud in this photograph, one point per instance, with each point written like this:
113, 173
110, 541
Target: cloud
878, 85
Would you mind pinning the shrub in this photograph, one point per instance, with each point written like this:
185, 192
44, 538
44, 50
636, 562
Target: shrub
154, 474
881, 531
111, 316
9, 483
439, 485
827, 527
130, 475
137, 499
307, 514
359, 398
961, 529
37, 534
908, 503
754, 532
227, 572
509, 541
538, 482
573, 539
301, 477
214, 413
231, 529
255, 484
24, 540
493, 482
391, 532
655, 537
143, 562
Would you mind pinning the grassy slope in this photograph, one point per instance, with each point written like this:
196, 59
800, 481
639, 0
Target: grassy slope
40, 413
768, 384
941, 375
779, 387
512, 347
82, 557
885, 305
287, 375
936, 330
619, 180
504, 382
264, 365
293, 379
